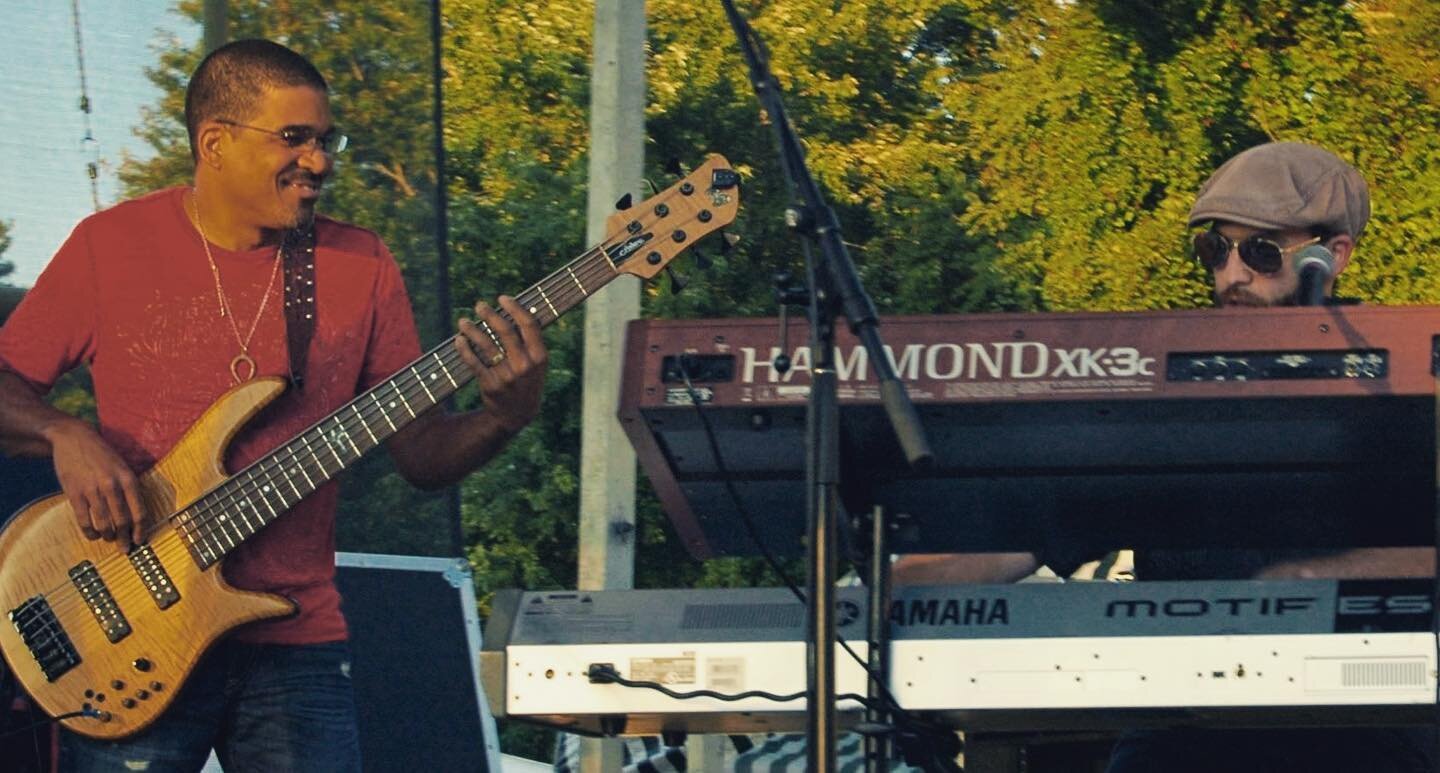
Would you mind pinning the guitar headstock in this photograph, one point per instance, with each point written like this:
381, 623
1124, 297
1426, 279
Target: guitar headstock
643, 239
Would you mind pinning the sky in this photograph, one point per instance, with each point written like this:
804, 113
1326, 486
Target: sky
44, 185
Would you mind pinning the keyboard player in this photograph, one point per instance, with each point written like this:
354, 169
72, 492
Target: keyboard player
1254, 214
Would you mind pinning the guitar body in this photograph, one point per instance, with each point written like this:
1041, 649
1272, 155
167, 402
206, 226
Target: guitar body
131, 680
93, 629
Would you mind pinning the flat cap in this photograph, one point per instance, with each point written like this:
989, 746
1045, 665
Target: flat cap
1286, 185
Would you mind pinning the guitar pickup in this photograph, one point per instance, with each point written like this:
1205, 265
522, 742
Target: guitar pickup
154, 577
702, 368
101, 602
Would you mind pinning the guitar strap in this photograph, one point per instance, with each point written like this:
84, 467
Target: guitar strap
300, 309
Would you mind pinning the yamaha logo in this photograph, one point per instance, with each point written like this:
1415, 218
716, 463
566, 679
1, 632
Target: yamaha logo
951, 611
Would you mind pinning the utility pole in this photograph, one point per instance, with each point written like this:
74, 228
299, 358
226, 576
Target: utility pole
607, 462
216, 22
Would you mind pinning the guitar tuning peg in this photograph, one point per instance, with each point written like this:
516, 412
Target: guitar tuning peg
650, 187
623, 202
677, 280
702, 261
728, 242
673, 167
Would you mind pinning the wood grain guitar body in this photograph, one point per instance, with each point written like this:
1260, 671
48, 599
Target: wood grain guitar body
96, 630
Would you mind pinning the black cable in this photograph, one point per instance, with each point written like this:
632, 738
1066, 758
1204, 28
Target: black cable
918, 739
600, 673
48, 720
898, 713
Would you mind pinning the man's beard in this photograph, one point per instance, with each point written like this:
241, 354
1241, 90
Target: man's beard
304, 219
1239, 296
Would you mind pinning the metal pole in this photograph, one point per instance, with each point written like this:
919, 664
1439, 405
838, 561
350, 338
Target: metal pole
442, 242
822, 506
216, 21
877, 745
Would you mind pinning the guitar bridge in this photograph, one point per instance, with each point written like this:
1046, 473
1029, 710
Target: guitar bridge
152, 573
47, 641
97, 596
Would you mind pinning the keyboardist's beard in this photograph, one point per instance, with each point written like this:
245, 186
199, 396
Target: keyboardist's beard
1239, 296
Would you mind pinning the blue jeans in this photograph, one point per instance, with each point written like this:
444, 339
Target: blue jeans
261, 707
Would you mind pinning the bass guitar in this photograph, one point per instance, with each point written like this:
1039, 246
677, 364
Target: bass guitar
103, 639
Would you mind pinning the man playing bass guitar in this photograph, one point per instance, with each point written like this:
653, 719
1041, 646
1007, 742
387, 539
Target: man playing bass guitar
190, 293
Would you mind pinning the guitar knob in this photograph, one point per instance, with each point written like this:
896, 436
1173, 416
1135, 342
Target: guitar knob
142, 664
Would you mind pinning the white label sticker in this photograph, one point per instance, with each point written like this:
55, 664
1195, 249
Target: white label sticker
725, 674
663, 670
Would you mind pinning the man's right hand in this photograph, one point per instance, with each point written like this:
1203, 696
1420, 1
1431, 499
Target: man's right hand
102, 490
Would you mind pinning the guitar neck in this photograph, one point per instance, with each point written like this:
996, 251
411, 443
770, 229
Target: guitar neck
642, 240
220, 521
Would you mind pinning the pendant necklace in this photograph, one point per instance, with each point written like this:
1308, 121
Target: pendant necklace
242, 361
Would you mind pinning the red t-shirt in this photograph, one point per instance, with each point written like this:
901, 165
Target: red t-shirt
131, 293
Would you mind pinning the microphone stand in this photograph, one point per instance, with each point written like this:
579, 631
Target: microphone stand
834, 290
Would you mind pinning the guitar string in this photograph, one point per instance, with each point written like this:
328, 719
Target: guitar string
600, 266
202, 524
204, 510
255, 486
257, 478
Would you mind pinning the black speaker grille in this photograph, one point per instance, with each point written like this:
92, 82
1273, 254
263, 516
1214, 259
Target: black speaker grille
700, 616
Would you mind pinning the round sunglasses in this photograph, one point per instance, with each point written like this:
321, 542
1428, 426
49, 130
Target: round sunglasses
1264, 256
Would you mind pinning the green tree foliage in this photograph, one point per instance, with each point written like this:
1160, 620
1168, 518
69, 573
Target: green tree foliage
6, 267
517, 94
1101, 119
9, 294
982, 155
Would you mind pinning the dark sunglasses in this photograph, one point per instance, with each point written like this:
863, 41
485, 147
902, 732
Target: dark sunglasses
1264, 256
331, 142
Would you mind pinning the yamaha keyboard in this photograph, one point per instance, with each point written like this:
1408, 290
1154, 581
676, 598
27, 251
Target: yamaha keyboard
1073, 656
1291, 427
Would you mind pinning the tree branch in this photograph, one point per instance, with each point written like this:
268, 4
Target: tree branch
398, 176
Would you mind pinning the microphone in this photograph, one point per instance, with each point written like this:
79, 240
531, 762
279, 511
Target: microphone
1315, 265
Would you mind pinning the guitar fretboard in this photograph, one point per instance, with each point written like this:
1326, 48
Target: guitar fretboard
225, 517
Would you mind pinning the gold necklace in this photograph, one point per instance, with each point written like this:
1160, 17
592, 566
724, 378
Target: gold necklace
243, 359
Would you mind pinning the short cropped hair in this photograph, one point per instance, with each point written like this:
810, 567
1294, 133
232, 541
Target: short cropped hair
229, 81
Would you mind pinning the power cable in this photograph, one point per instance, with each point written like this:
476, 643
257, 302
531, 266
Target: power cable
918, 738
